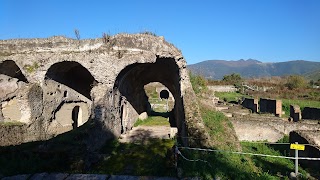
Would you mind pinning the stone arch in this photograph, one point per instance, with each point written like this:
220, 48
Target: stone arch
164, 94
130, 84
73, 75
14, 105
10, 68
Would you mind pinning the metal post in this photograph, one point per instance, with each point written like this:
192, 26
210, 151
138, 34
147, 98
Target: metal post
296, 161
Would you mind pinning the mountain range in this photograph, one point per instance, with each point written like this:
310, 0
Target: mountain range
216, 69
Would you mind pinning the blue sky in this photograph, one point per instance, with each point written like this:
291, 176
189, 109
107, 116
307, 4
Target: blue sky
266, 30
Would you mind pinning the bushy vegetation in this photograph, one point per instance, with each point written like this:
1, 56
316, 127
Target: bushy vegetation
233, 79
199, 83
296, 82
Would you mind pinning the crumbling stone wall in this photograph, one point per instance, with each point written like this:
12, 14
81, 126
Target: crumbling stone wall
251, 104
12, 134
295, 113
311, 113
113, 73
271, 106
272, 129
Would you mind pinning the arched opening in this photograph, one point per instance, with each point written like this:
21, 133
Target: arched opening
164, 94
10, 68
76, 116
158, 98
130, 85
73, 75
11, 81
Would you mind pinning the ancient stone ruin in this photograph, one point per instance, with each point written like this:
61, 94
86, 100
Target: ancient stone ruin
271, 106
251, 104
295, 113
263, 106
311, 113
57, 84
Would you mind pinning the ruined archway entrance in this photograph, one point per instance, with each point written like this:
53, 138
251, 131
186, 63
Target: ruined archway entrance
67, 100
13, 101
160, 103
73, 75
10, 69
129, 92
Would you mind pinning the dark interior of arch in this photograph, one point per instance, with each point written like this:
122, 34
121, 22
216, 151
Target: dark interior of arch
131, 80
10, 68
164, 94
73, 75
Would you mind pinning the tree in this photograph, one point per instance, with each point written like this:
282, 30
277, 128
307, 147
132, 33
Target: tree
199, 83
77, 33
295, 82
232, 78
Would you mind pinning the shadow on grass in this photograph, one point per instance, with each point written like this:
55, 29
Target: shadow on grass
69, 152
75, 152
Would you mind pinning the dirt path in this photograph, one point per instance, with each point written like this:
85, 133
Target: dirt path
142, 133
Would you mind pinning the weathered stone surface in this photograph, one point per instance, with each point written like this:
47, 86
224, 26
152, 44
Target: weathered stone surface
225, 88
108, 75
56, 176
14, 134
87, 176
125, 177
39, 176
143, 116
17, 177
295, 113
260, 128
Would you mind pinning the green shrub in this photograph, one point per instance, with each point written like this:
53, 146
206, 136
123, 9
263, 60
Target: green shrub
199, 83
296, 82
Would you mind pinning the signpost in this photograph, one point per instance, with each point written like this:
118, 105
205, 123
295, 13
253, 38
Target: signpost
297, 147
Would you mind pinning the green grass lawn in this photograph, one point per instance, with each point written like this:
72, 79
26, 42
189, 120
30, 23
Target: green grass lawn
153, 121
229, 96
302, 103
150, 158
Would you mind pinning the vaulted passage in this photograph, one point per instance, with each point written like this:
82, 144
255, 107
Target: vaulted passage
11, 69
73, 75
129, 93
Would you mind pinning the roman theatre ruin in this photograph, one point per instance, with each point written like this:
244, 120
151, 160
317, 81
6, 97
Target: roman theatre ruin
54, 85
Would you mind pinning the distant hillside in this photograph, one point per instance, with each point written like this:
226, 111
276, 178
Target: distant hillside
216, 69
314, 75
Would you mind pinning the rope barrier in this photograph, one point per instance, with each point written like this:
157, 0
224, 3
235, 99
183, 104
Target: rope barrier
314, 145
191, 160
253, 154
